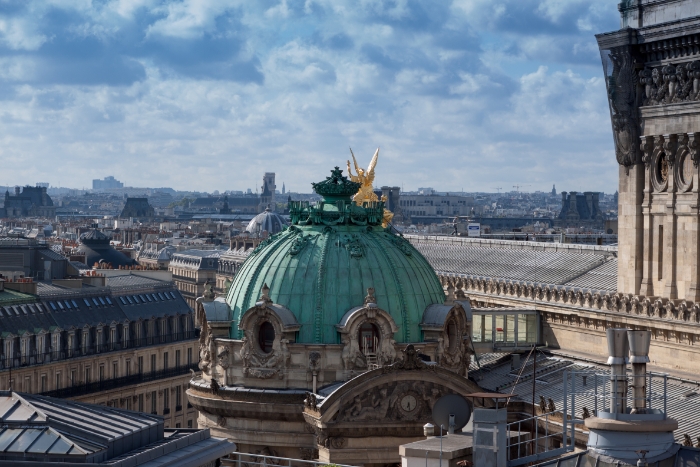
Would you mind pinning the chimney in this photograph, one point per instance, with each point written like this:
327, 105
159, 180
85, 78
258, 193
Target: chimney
618, 349
639, 342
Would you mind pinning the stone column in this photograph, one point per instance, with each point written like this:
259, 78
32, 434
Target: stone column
646, 287
693, 291
631, 225
669, 240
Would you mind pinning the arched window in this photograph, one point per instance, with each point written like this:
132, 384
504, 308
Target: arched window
369, 338
266, 336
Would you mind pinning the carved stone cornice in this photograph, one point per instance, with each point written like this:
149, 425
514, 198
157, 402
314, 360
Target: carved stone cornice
592, 304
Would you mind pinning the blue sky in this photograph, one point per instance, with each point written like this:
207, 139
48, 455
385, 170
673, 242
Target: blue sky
209, 94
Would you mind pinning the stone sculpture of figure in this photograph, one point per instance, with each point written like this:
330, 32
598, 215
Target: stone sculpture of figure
432, 398
356, 407
379, 405
440, 349
687, 441
388, 351
284, 350
543, 405
550, 405
347, 359
245, 350
585, 413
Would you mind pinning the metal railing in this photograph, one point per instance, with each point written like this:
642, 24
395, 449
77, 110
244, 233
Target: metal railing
582, 390
114, 383
541, 444
36, 358
241, 459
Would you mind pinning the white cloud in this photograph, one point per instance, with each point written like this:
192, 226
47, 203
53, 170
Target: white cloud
445, 114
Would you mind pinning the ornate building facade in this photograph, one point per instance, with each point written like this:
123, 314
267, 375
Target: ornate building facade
652, 70
334, 340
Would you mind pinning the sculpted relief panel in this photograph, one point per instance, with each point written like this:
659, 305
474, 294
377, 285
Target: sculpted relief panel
401, 401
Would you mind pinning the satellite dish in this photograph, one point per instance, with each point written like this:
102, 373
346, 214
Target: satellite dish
452, 405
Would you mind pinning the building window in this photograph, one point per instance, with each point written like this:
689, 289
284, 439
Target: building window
189, 356
28, 384
43, 383
177, 359
153, 363
189, 423
266, 336
72, 378
58, 380
369, 338
128, 368
140, 365
154, 403
140, 402
87, 375
178, 398
115, 370
165, 361
166, 401
177, 425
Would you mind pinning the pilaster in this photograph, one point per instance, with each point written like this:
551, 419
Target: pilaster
670, 222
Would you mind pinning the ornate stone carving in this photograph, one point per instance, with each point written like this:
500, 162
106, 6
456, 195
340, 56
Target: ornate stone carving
311, 402
335, 442
299, 244
223, 358
308, 454
401, 401
694, 147
410, 361
314, 361
370, 298
671, 83
622, 96
221, 421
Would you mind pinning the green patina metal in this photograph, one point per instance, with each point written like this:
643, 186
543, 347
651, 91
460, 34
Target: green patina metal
322, 265
11, 297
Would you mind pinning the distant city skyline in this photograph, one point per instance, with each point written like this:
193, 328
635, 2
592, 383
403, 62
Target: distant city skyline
203, 96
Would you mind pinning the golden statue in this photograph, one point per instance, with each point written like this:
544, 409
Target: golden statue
366, 179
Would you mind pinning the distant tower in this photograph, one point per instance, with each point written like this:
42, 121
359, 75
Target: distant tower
554, 190
283, 190
267, 197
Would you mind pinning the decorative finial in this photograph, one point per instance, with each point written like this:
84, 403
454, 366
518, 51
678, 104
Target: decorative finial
265, 294
209, 293
370, 298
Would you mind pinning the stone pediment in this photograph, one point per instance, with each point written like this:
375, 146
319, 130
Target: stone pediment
395, 400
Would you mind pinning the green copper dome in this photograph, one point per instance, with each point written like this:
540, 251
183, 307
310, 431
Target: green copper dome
322, 265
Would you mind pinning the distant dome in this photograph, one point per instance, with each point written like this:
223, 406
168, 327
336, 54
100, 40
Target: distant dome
96, 247
266, 221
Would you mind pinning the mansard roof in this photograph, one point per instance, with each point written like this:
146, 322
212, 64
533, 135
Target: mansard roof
586, 266
130, 298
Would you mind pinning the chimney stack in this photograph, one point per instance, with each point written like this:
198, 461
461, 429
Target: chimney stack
618, 349
639, 342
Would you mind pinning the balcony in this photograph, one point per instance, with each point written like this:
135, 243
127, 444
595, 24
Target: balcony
178, 408
166, 411
116, 383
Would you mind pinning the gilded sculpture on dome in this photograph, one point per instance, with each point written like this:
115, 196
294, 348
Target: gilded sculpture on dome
366, 179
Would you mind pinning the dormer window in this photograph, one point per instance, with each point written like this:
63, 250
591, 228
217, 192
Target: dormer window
266, 336
369, 338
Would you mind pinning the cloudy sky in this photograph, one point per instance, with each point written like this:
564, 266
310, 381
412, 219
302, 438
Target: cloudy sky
209, 94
